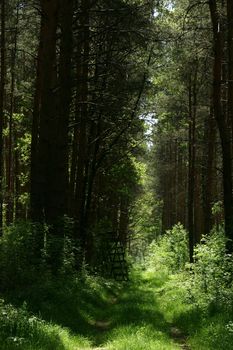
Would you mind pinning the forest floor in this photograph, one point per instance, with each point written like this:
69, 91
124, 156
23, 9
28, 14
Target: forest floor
92, 314
149, 312
135, 319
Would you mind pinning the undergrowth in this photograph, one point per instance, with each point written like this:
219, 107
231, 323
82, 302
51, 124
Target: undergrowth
78, 311
21, 330
73, 311
56, 315
198, 297
84, 313
39, 310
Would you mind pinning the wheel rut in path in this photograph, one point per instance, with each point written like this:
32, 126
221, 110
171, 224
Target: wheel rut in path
179, 337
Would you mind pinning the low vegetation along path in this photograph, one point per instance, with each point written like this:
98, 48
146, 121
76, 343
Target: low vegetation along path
134, 320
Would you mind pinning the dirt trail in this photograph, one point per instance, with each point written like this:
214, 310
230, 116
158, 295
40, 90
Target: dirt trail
179, 338
136, 305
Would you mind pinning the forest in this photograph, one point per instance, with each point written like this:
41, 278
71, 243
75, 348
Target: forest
116, 174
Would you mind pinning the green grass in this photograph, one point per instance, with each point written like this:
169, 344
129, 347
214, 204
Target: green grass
84, 313
205, 330
24, 332
20, 329
136, 320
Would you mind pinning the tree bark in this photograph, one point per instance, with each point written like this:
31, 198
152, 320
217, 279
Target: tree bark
82, 166
222, 124
10, 141
192, 160
230, 62
36, 212
2, 90
57, 200
208, 168
44, 111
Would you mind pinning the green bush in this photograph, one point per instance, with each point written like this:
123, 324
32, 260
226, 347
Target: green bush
16, 324
23, 331
17, 261
211, 273
27, 253
170, 252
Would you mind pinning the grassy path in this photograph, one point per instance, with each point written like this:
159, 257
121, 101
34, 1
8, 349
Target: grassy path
134, 321
151, 312
93, 314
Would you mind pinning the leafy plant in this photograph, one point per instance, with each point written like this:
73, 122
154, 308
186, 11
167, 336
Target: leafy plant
17, 262
170, 252
211, 274
21, 330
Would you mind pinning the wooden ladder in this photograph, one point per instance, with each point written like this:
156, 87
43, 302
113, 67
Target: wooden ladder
114, 259
119, 266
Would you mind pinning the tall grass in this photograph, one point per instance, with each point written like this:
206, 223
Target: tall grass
21, 330
77, 311
197, 297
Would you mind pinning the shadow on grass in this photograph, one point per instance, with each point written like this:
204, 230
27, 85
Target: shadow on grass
94, 314
135, 309
59, 304
189, 321
45, 341
207, 331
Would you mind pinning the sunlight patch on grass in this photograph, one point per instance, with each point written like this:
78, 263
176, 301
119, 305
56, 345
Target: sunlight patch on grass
138, 338
49, 337
214, 333
20, 330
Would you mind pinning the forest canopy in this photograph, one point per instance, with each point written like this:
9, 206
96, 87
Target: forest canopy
92, 93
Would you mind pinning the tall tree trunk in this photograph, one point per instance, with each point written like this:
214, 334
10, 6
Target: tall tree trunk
175, 182
222, 124
230, 61
2, 90
44, 106
81, 178
10, 155
192, 160
36, 211
208, 175
43, 121
49, 169
74, 179
57, 181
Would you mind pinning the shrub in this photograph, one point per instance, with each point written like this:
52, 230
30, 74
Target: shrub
23, 331
211, 273
170, 253
26, 253
17, 265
